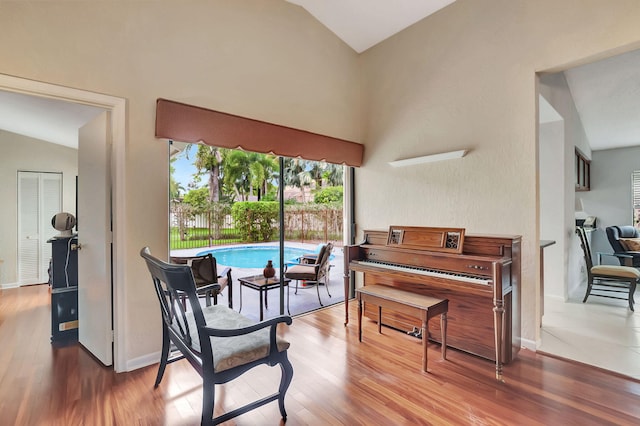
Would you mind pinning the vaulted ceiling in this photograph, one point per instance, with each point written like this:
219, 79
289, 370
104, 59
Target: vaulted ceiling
606, 93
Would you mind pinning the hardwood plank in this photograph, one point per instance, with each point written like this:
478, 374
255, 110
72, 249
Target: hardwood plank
337, 381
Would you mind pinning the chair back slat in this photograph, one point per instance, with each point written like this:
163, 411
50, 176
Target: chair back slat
324, 260
584, 243
171, 282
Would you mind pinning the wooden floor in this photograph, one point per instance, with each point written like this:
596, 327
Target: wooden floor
337, 381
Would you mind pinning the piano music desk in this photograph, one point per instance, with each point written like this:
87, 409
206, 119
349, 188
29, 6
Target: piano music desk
409, 303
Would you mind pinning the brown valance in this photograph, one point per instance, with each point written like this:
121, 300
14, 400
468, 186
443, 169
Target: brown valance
192, 124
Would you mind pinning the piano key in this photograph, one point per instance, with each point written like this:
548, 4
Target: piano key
428, 272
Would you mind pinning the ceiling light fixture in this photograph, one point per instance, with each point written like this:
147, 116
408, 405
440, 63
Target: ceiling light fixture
428, 158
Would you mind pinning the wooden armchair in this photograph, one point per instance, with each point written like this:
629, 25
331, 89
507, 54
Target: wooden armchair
312, 270
217, 341
205, 274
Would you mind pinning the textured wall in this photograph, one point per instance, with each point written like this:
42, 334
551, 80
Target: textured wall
466, 78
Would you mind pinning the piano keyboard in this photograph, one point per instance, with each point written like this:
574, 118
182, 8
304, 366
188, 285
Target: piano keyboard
426, 271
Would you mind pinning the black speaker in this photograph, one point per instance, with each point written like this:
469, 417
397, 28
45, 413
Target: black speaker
64, 315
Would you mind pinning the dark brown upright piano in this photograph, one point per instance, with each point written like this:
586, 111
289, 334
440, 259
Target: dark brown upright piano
479, 274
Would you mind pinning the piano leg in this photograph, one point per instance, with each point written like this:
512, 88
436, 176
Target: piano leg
498, 322
425, 340
379, 319
443, 334
346, 281
359, 318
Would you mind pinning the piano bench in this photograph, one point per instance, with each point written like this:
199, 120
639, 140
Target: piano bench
409, 303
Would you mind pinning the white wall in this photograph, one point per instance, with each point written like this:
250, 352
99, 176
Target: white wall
552, 205
22, 153
465, 77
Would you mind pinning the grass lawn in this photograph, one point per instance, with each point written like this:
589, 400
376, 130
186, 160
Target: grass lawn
199, 237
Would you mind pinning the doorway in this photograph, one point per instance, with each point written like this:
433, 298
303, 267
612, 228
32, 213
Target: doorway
117, 109
593, 104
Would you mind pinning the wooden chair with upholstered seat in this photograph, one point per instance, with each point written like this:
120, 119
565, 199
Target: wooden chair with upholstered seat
610, 281
220, 343
313, 272
205, 274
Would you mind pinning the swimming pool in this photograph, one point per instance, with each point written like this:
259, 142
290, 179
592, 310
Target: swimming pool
254, 256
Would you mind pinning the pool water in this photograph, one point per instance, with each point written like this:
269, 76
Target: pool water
254, 256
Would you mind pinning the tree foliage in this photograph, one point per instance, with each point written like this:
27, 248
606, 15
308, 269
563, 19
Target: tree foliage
329, 195
255, 220
236, 175
198, 199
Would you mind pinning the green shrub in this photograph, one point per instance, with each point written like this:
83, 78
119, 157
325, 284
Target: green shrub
256, 220
329, 195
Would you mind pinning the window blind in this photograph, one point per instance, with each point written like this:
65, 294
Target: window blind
635, 187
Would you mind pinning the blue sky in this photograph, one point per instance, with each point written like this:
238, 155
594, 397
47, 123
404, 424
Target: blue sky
184, 170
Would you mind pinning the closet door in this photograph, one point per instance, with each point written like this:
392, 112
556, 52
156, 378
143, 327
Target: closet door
39, 198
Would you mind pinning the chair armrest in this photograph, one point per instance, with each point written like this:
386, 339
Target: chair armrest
221, 332
619, 255
299, 263
208, 288
308, 258
226, 271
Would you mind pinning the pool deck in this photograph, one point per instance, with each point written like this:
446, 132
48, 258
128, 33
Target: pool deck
337, 263
306, 299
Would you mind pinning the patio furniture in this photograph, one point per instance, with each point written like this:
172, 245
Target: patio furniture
205, 274
263, 285
220, 343
313, 272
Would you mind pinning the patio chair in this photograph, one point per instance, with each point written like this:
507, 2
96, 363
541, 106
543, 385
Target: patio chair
205, 274
219, 343
312, 271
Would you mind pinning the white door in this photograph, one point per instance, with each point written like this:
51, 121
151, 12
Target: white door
94, 237
39, 198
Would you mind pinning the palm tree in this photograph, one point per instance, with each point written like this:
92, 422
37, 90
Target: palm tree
269, 174
296, 174
236, 173
333, 176
208, 160
175, 188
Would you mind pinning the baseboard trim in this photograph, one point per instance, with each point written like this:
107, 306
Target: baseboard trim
9, 285
143, 361
528, 344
